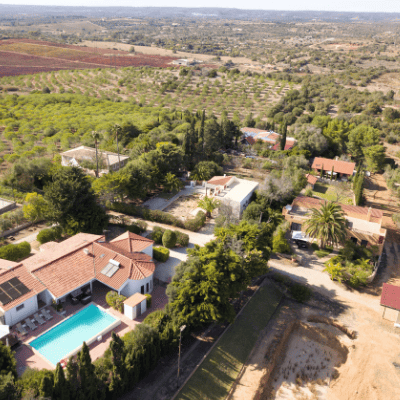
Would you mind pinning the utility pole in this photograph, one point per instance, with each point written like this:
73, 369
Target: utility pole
181, 329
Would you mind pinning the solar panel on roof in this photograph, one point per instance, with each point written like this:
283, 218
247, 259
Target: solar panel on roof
106, 269
11, 290
110, 269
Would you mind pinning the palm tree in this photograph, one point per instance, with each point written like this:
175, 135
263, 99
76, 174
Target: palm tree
209, 205
327, 224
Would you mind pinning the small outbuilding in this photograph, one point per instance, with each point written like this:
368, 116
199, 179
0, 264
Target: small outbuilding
311, 181
135, 306
390, 303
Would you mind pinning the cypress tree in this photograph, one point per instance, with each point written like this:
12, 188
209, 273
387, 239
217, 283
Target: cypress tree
283, 139
119, 371
322, 171
72, 378
88, 380
61, 387
46, 387
332, 172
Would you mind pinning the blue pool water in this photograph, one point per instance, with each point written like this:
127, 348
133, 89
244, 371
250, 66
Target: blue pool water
56, 343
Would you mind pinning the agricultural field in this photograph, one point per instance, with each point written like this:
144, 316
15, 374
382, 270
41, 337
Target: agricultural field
30, 56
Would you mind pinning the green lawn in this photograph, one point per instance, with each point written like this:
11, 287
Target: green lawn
328, 192
216, 374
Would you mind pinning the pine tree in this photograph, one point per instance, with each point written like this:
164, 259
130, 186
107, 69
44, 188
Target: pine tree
61, 388
88, 380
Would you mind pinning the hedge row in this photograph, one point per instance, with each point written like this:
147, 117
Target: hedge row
160, 254
15, 252
49, 235
181, 238
193, 224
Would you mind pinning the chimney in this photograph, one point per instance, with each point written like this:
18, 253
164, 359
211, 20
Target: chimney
369, 214
106, 235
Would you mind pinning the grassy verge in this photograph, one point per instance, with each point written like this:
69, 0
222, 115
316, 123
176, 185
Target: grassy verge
328, 192
323, 252
215, 376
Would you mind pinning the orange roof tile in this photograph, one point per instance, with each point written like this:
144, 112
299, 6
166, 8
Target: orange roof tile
341, 167
350, 211
219, 180
311, 179
131, 242
390, 296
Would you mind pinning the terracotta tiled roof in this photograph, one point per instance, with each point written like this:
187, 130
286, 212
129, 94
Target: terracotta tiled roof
135, 299
341, 167
390, 296
311, 179
288, 145
5, 264
250, 140
350, 211
27, 279
220, 180
131, 242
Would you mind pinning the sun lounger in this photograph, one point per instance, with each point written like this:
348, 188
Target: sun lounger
21, 329
39, 319
31, 325
47, 314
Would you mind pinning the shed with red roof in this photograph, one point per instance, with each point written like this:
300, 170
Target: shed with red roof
390, 303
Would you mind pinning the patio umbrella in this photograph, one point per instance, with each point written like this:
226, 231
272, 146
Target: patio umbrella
4, 330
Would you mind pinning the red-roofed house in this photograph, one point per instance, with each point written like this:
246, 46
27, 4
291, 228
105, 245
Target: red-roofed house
70, 267
364, 224
390, 303
343, 169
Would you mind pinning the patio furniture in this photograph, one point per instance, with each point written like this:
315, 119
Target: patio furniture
74, 301
31, 326
21, 329
47, 314
39, 319
86, 300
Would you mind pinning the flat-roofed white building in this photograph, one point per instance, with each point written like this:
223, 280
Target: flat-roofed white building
232, 191
82, 156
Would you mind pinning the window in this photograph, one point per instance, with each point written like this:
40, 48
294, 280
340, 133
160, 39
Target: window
353, 239
147, 287
142, 289
296, 227
19, 308
350, 224
364, 243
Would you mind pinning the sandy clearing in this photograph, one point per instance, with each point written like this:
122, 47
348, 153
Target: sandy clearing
163, 52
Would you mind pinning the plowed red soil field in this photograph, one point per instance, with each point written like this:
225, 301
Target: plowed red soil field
24, 56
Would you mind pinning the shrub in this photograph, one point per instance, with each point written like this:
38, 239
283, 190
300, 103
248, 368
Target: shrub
300, 293
309, 192
137, 227
314, 246
169, 239
157, 234
196, 223
160, 254
280, 244
115, 300
323, 252
154, 318
49, 235
182, 238
14, 252
148, 300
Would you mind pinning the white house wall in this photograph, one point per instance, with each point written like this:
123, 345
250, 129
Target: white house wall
132, 287
13, 316
148, 250
46, 296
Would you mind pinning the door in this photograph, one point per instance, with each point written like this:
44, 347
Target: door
142, 289
139, 310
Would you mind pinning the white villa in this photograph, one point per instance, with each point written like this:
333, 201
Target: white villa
232, 191
108, 160
69, 268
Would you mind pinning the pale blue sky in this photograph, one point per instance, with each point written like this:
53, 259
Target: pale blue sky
324, 5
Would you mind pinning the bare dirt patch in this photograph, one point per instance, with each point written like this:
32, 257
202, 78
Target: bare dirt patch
184, 206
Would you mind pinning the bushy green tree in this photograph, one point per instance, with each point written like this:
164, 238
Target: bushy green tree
61, 388
72, 203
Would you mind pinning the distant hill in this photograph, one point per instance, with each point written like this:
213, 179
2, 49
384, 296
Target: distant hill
12, 11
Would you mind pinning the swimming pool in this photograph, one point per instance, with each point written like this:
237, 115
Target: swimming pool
66, 338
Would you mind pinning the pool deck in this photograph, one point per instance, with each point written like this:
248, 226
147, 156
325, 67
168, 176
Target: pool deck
27, 358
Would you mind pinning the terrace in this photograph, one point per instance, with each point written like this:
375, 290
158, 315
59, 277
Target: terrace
27, 358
